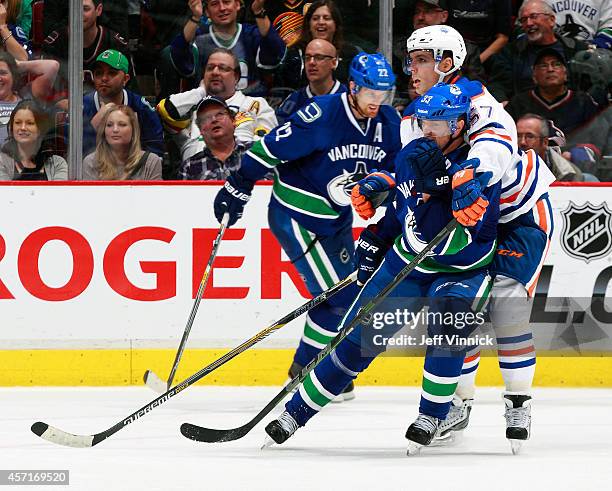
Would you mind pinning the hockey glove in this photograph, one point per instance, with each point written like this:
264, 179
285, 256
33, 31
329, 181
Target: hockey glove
370, 192
469, 204
429, 166
232, 198
369, 253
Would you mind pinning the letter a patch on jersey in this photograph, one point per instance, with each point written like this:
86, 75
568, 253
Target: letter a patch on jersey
378, 133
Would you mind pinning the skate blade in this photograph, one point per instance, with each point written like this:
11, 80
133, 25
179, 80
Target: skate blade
414, 448
451, 438
516, 446
268, 442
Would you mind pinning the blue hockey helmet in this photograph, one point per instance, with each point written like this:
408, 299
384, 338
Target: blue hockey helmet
373, 73
443, 102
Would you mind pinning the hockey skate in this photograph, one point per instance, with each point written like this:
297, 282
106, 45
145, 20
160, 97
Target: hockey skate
347, 394
280, 430
518, 419
421, 433
457, 420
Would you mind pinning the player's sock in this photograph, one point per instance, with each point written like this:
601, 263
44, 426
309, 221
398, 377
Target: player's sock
467, 381
327, 381
517, 360
440, 376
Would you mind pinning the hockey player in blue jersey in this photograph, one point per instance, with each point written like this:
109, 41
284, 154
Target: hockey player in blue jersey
435, 54
317, 156
454, 277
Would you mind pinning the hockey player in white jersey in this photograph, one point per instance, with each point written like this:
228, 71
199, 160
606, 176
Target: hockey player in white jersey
435, 54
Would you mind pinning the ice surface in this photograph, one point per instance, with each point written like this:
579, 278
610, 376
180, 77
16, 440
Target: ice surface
354, 446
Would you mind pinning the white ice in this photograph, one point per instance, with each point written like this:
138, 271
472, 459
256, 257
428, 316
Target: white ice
354, 446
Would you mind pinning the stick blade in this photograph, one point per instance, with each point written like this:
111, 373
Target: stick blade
152, 381
60, 437
209, 435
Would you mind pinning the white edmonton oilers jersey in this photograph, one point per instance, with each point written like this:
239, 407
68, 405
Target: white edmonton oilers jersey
493, 140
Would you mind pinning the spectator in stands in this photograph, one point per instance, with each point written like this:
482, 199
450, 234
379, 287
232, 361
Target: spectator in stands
429, 13
42, 74
321, 21
258, 47
26, 154
114, 15
551, 98
321, 60
96, 39
222, 153
287, 18
537, 20
487, 23
586, 20
14, 40
24, 19
110, 78
254, 116
118, 155
533, 134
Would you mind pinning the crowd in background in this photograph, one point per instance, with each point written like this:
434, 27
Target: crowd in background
149, 64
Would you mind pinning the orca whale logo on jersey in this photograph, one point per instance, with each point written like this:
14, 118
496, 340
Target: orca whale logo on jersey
587, 231
340, 187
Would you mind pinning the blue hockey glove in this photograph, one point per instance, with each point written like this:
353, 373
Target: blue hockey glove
232, 198
429, 166
370, 192
469, 204
369, 253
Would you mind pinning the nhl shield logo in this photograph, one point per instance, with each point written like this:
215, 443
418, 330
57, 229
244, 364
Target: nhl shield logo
587, 233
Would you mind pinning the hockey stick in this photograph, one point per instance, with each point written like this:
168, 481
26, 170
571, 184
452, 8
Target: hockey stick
209, 435
60, 437
150, 378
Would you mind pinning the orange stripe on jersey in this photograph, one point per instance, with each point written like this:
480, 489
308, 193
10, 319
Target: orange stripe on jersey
509, 199
491, 132
515, 352
472, 358
542, 216
408, 117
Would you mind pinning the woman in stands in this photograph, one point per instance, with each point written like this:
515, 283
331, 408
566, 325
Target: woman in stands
323, 21
12, 37
118, 155
26, 154
42, 74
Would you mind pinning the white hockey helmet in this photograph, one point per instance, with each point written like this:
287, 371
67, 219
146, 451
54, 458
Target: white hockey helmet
438, 39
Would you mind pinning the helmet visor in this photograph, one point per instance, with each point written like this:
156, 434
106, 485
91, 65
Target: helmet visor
436, 127
368, 96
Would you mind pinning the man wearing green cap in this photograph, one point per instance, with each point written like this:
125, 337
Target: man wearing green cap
110, 75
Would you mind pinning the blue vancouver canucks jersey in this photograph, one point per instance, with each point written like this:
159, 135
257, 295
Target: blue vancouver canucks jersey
412, 223
318, 155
